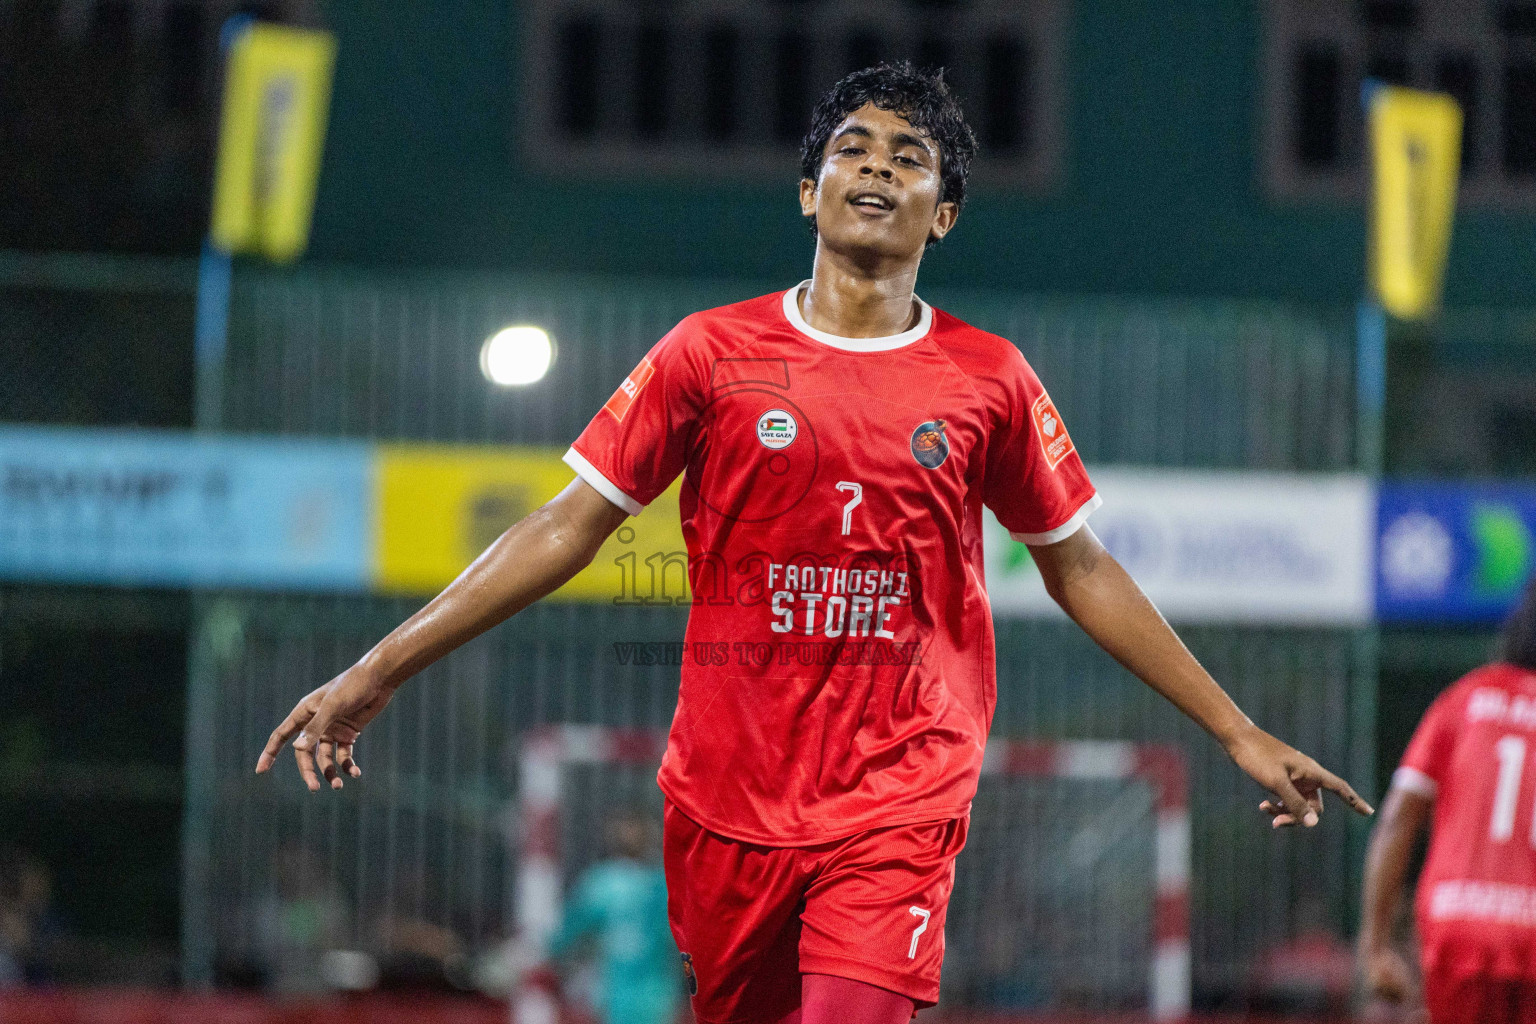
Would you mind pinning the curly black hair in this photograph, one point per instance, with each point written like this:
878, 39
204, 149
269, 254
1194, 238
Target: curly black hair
1517, 641
920, 96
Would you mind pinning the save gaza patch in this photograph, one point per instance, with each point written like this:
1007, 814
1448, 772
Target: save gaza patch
618, 405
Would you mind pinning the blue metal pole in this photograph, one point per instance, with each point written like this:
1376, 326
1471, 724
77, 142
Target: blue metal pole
211, 336
1370, 386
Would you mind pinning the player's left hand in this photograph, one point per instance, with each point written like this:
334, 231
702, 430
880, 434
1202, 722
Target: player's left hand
1293, 777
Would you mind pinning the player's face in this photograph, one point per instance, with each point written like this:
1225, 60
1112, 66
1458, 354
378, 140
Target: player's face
878, 194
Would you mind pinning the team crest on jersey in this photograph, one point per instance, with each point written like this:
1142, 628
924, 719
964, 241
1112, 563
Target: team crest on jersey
776, 429
929, 445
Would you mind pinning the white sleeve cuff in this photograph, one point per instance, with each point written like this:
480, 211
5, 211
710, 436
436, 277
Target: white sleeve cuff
601, 484
1066, 529
1414, 781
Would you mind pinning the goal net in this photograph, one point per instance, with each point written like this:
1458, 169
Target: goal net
1071, 894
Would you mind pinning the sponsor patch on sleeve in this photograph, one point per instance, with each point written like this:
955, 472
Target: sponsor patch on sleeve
618, 405
1054, 439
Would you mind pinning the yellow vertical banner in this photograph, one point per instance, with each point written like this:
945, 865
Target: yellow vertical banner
277, 92
1415, 141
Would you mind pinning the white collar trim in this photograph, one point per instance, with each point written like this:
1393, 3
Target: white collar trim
797, 321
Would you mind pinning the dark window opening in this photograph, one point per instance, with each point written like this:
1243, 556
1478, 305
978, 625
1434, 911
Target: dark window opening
1317, 108
1478, 53
1391, 68
1400, 15
183, 82
791, 107
720, 50
934, 52
578, 63
112, 25
1520, 119
1456, 74
1518, 19
861, 50
110, 129
642, 83
261, 10
652, 77
1005, 127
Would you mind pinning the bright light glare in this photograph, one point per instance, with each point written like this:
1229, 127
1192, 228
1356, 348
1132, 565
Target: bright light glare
516, 356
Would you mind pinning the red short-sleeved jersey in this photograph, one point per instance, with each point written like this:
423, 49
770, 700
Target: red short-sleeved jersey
1474, 754
839, 668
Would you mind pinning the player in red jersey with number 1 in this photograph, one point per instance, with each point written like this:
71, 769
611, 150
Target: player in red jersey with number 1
1469, 774
837, 442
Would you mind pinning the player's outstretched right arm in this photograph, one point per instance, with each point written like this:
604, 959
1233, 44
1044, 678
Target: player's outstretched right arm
533, 558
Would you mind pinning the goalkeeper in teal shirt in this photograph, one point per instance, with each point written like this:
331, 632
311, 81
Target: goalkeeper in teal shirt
622, 903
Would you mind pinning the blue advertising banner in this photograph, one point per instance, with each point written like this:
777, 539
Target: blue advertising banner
1453, 552
132, 507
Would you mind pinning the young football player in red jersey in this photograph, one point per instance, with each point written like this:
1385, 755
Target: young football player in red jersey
1469, 774
837, 441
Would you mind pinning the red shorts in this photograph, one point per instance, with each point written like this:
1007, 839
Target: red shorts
1475, 999
751, 919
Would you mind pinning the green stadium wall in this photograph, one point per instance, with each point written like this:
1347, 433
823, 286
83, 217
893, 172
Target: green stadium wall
1159, 190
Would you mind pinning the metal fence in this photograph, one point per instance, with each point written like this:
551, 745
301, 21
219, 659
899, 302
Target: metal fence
421, 836
89, 340
1210, 384
423, 833
1053, 897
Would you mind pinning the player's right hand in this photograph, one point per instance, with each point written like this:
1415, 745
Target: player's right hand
324, 726
1387, 975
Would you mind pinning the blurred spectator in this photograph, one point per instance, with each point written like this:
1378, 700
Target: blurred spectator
1311, 973
415, 954
1002, 973
297, 922
621, 903
27, 924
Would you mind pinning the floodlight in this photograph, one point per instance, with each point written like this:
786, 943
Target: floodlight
516, 356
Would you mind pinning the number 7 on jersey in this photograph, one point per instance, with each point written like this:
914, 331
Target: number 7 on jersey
853, 502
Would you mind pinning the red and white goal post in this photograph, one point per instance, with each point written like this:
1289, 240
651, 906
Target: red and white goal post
547, 752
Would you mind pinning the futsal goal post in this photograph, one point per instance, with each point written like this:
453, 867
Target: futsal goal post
1081, 848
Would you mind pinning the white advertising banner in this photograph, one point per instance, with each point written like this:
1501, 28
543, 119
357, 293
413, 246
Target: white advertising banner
1220, 546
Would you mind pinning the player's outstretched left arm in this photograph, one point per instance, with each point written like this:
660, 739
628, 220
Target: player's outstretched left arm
1100, 596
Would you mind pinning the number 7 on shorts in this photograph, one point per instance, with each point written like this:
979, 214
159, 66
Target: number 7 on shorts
921, 927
